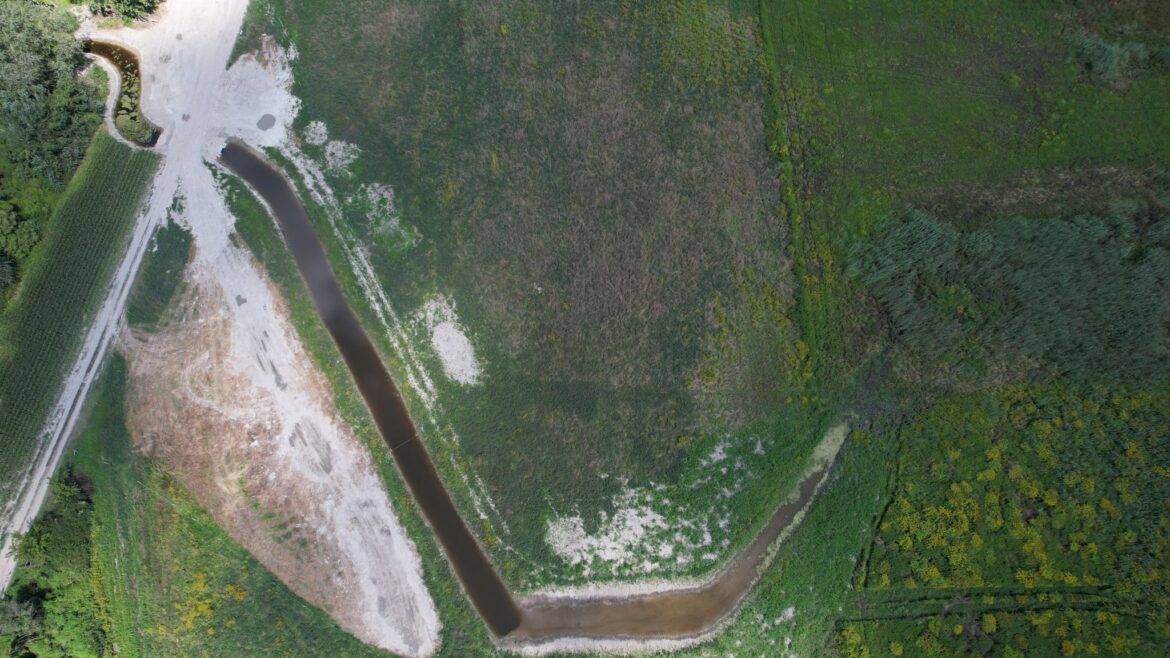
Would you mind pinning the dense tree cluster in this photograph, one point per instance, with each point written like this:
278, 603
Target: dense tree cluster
1086, 296
47, 117
125, 8
50, 609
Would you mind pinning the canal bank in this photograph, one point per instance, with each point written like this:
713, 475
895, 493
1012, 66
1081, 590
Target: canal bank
538, 622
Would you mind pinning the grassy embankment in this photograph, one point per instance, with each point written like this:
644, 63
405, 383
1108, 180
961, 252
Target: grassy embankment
462, 632
64, 281
616, 349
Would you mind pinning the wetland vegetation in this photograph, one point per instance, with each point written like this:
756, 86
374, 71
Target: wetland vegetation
128, 117
674, 229
1035, 163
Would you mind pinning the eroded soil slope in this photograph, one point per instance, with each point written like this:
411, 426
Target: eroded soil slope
279, 472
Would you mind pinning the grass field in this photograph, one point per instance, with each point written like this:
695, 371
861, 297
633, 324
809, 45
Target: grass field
64, 282
520, 142
609, 349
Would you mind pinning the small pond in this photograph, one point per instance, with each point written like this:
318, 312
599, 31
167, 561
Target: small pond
128, 117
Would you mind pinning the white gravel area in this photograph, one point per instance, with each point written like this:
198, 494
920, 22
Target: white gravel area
187, 91
450, 341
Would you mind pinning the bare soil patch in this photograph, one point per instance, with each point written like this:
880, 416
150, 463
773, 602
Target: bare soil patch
294, 489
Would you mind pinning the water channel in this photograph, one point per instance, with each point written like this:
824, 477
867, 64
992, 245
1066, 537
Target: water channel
675, 614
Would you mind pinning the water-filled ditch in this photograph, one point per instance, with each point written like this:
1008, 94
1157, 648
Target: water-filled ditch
680, 613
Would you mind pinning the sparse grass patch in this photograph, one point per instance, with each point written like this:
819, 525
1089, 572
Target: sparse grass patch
161, 276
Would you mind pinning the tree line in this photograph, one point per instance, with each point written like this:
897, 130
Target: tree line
51, 609
47, 117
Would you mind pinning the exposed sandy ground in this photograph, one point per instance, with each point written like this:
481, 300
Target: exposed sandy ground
261, 449
227, 398
449, 341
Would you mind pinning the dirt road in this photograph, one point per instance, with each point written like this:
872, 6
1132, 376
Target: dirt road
63, 417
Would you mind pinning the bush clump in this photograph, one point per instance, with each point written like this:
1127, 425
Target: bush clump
1112, 63
1084, 297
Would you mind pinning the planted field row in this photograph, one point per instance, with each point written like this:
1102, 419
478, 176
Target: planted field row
65, 282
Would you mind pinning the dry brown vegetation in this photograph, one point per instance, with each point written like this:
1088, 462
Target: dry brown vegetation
1041, 191
1132, 16
582, 279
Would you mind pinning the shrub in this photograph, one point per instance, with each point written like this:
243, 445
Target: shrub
126, 8
1082, 296
7, 274
1110, 63
1161, 58
133, 128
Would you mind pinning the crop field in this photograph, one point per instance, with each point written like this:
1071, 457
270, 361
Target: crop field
65, 280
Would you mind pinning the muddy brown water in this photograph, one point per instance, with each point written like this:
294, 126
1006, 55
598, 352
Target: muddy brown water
674, 614
126, 61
